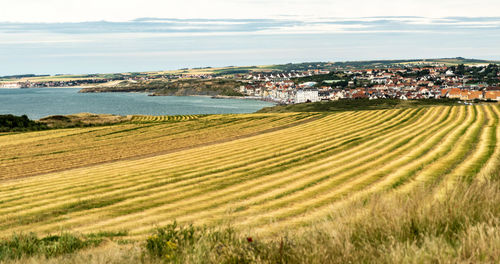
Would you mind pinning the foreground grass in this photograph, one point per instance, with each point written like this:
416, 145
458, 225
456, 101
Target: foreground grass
462, 228
21, 246
406, 185
390, 229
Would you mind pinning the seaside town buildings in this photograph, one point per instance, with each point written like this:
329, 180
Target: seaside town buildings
313, 85
395, 83
307, 96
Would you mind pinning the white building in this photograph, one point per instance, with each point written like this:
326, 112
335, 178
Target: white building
10, 85
307, 85
308, 95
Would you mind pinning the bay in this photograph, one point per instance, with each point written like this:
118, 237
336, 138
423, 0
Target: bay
41, 102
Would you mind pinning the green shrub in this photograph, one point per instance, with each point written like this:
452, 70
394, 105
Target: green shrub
10, 123
30, 245
27, 245
166, 242
188, 244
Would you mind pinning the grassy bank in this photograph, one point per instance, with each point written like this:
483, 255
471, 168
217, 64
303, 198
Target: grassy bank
356, 104
183, 87
12, 123
82, 120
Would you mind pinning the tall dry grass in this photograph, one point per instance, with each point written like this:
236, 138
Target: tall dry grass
409, 228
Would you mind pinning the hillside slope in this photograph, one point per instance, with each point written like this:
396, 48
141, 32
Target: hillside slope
356, 105
280, 178
62, 149
174, 88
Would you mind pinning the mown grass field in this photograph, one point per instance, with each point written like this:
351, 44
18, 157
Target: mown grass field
37, 153
261, 173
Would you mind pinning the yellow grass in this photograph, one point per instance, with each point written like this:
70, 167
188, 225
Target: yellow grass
269, 172
63, 149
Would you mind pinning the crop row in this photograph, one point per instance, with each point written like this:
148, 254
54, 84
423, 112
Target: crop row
269, 181
144, 118
35, 153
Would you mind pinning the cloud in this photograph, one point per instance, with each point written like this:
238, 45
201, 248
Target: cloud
173, 53
169, 43
126, 10
150, 27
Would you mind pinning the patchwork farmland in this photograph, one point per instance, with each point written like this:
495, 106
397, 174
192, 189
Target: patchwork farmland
267, 172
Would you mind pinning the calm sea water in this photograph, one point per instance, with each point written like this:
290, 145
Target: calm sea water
38, 103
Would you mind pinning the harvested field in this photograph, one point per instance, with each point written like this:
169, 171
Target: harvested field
268, 172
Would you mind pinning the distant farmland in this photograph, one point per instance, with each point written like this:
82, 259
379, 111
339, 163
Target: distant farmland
267, 172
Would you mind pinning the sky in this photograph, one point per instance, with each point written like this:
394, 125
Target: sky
98, 36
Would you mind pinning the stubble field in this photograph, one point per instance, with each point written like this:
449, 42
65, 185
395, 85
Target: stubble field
264, 172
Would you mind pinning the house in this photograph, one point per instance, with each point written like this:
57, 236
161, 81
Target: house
359, 95
444, 93
324, 95
10, 85
492, 95
454, 93
475, 95
464, 94
307, 95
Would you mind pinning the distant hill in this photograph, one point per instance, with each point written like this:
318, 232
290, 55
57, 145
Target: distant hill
232, 70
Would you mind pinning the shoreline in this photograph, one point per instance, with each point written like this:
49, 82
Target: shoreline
57, 87
35, 109
255, 98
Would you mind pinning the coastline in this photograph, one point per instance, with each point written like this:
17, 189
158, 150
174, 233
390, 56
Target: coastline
56, 87
154, 94
256, 98
32, 102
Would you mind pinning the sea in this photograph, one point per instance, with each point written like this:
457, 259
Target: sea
41, 102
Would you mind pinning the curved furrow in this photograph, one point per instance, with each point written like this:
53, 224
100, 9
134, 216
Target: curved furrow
272, 181
76, 180
374, 181
479, 154
42, 187
493, 164
223, 195
135, 131
222, 200
84, 180
433, 173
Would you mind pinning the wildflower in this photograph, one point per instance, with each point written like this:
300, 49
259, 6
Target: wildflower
249, 239
171, 245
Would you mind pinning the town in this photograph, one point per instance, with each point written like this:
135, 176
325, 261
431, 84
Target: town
408, 83
312, 82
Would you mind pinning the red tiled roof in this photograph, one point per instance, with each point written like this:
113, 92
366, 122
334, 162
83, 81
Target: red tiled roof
493, 95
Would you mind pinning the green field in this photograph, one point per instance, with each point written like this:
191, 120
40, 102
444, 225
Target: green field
264, 175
